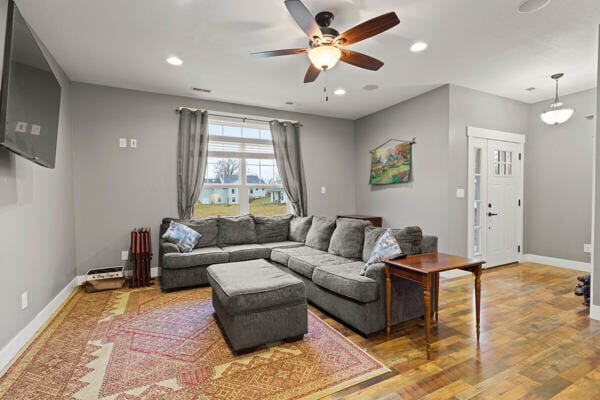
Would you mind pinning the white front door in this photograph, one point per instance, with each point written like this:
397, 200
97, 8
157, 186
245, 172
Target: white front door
503, 201
495, 215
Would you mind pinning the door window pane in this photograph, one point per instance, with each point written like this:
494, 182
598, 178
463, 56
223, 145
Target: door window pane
217, 201
267, 201
477, 160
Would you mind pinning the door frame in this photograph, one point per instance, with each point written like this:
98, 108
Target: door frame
475, 136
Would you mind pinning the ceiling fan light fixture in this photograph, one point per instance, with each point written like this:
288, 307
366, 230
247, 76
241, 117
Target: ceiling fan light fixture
556, 114
325, 56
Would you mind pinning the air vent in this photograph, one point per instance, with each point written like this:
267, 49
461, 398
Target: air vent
197, 89
289, 103
530, 89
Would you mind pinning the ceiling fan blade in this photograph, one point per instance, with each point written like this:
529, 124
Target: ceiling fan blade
303, 18
361, 60
368, 29
274, 53
311, 74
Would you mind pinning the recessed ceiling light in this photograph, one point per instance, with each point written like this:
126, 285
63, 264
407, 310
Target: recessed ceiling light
531, 6
289, 103
370, 87
339, 92
174, 61
418, 46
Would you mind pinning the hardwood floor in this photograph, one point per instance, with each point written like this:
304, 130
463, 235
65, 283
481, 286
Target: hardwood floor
537, 342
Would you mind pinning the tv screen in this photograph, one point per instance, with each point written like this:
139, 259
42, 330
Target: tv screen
30, 95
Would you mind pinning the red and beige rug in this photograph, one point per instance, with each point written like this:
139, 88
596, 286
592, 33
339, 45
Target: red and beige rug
144, 344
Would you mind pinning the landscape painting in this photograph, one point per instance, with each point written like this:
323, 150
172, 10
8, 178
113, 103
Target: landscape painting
391, 164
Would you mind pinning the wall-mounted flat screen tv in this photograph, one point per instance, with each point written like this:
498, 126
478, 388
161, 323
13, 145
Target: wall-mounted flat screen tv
30, 95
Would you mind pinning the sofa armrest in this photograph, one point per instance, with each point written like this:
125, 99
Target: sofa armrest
429, 244
168, 247
376, 272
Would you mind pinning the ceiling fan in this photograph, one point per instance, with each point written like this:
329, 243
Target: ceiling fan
326, 45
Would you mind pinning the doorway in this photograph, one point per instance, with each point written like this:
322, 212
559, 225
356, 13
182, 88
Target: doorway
495, 196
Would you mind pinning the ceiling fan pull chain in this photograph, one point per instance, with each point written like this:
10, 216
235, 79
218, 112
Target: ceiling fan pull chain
325, 88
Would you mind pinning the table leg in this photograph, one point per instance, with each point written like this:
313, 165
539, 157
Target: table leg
388, 299
427, 300
477, 273
437, 296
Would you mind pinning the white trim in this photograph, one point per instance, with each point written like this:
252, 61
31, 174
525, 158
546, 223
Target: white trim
595, 312
15, 345
473, 131
558, 262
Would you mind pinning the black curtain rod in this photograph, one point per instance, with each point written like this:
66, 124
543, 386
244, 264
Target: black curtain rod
244, 119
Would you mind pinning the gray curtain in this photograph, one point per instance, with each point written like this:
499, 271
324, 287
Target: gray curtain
192, 154
286, 143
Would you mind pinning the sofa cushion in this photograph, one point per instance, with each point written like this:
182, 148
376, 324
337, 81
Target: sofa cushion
283, 255
243, 252
299, 227
305, 265
247, 286
345, 280
236, 230
272, 229
202, 256
348, 238
409, 239
372, 236
282, 245
207, 227
320, 231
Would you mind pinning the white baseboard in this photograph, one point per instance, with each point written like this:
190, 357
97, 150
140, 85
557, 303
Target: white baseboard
558, 262
595, 312
455, 273
13, 347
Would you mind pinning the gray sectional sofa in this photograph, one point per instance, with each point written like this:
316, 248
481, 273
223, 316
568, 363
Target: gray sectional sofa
326, 254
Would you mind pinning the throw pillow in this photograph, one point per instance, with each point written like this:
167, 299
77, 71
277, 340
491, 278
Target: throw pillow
236, 230
206, 227
299, 227
272, 229
181, 236
320, 231
348, 238
372, 235
386, 247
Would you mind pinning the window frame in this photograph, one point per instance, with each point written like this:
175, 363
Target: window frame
242, 185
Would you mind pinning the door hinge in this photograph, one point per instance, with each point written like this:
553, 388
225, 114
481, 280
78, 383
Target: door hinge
518, 248
519, 202
519, 156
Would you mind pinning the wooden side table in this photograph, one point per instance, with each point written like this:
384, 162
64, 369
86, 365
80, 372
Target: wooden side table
376, 221
425, 269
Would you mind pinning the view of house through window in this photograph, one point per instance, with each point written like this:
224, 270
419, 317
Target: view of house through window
241, 173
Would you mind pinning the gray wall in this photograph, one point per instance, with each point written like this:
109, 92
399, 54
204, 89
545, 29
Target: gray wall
36, 215
423, 201
470, 107
558, 180
118, 189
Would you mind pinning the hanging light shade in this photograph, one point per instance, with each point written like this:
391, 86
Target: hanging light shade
557, 113
324, 56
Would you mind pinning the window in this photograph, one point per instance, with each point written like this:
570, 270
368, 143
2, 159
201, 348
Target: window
502, 163
241, 172
477, 203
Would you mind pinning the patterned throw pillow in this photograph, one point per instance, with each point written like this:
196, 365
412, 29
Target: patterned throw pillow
387, 247
181, 236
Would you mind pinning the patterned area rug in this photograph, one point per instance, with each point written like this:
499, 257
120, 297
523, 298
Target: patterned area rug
144, 344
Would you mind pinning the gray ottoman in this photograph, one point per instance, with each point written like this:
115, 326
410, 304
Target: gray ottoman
257, 303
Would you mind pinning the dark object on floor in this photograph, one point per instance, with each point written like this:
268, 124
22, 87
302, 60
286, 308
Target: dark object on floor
141, 254
583, 288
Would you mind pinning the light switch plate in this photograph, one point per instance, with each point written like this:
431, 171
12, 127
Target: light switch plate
323, 190
460, 193
124, 255
133, 143
36, 130
122, 142
21, 127
24, 301
587, 248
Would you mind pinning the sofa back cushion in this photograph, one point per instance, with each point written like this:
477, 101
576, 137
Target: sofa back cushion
207, 227
236, 230
348, 238
272, 229
299, 227
408, 238
320, 232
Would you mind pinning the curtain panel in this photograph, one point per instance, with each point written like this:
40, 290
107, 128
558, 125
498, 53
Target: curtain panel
286, 144
192, 155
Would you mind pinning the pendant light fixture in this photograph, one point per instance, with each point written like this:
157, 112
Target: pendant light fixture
557, 113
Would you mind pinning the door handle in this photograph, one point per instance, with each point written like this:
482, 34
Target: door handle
491, 214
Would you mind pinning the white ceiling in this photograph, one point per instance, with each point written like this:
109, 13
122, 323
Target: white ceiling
481, 44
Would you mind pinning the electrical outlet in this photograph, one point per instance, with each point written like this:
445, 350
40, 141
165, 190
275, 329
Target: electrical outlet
133, 143
24, 300
323, 190
122, 142
124, 255
460, 193
587, 248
